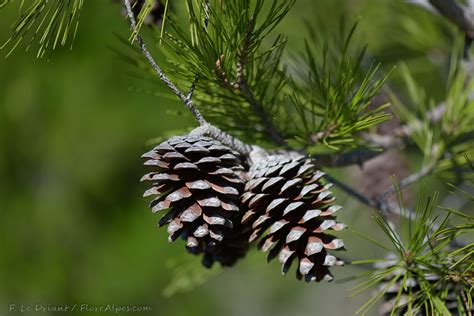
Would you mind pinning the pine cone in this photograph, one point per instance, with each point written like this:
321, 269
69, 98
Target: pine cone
153, 18
413, 286
198, 182
285, 194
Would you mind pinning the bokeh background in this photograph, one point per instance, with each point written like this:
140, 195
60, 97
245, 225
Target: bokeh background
73, 225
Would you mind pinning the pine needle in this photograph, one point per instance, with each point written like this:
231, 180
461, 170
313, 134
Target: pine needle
45, 24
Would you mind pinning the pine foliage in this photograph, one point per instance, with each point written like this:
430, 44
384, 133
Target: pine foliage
446, 140
423, 275
244, 83
333, 90
43, 23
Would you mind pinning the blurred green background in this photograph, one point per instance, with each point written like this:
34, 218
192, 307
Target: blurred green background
74, 228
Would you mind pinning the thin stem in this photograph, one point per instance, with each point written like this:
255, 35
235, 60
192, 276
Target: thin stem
317, 137
424, 4
456, 13
193, 87
243, 87
423, 172
460, 15
400, 134
386, 208
398, 137
205, 127
260, 111
383, 208
204, 30
352, 192
206, 18
187, 101
354, 157
380, 204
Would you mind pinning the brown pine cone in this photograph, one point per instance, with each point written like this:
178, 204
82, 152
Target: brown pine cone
197, 182
285, 195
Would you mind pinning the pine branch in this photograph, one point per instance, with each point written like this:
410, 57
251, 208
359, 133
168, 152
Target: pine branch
401, 134
424, 4
399, 137
216, 55
260, 111
353, 192
243, 87
457, 13
462, 16
421, 267
204, 29
332, 92
383, 208
205, 127
187, 101
386, 208
189, 96
413, 178
354, 157
317, 137
381, 205
381, 202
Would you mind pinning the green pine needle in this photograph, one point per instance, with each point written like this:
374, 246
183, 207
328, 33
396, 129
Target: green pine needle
422, 249
47, 24
444, 142
333, 91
